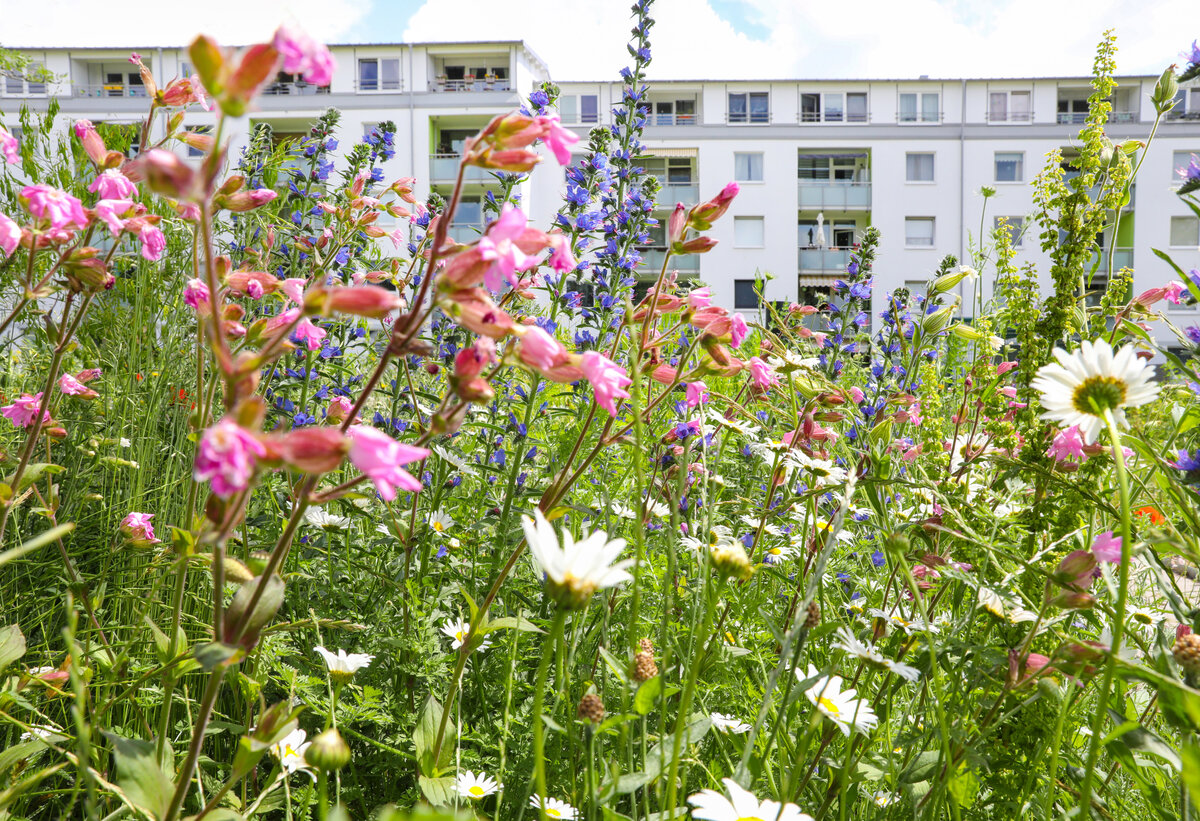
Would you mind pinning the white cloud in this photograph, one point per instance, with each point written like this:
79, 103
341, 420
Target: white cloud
236, 22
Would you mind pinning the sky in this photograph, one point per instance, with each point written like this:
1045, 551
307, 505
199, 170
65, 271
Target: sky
693, 39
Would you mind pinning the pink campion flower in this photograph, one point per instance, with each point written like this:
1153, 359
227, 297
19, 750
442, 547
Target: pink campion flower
380, 457
857, 395
183, 91
92, 142
88, 374
561, 258
303, 55
58, 208
607, 378
254, 289
1005, 367
9, 146
558, 139
111, 184
1068, 446
73, 387
339, 409
24, 410
138, 529
1107, 547
737, 330
195, 294
228, 456
1175, 291
697, 394
153, 242
762, 374
10, 235
700, 298
540, 350
111, 212
294, 289
500, 247
309, 334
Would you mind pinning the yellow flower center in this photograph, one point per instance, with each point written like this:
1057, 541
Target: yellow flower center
553, 813
775, 551
460, 635
1098, 394
476, 791
829, 706
750, 818
439, 527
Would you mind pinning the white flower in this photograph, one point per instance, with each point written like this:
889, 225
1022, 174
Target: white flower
916, 625
290, 751
553, 807
125, 442
440, 522
343, 666
823, 471
843, 708
474, 786
319, 517
457, 631
777, 553
710, 805
868, 653
656, 509
1081, 387
41, 732
729, 724
884, 799
577, 569
966, 448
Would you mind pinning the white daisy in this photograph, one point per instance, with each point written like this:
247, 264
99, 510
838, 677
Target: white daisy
885, 799
868, 653
41, 732
843, 708
290, 749
553, 808
457, 630
320, 517
578, 569
729, 724
824, 473
440, 522
474, 786
915, 625
342, 665
1081, 387
710, 805
967, 448
777, 553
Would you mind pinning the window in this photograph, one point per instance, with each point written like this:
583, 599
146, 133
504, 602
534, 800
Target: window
748, 232
833, 108
856, 107
838, 167
1180, 161
672, 112
1009, 106
915, 287
745, 298
1187, 105
919, 168
750, 107
838, 107
918, 232
377, 74
923, 107
579, 108
1010, 166
193, 151
1185, 232
1014, 226
748, 167
669, 170
810, 108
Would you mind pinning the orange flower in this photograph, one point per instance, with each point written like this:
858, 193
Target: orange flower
1152, 513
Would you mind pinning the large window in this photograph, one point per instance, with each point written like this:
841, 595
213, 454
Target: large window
1185, 232
1010, 166
1009, 107
745, 298
923, 107
833, 167
579, 108
918, 232
1187, 105
748, 167
672, 112
919, 168
670, 169
750, 107
748, 232
834, 107
379, 74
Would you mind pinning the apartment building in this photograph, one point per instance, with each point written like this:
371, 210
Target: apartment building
818, 161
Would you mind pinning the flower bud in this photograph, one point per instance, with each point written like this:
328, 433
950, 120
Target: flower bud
370, 301
92, 142
948, 281
246, 200
591, 708
1076, 569
731, 561
696, 245
1164, 91
310, 450
677, 224
702, 216
328, 751
937, 321
166, 174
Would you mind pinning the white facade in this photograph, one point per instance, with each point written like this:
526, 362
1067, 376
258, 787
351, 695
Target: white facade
907, 156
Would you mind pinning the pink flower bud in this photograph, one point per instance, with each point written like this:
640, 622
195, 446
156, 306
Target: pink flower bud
365, 300
166, 174
246, 200
339, 409
314, 450
93, 144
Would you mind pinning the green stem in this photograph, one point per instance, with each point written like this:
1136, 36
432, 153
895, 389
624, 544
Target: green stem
689, 689
539, 699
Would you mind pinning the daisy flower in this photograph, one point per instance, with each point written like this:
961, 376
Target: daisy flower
575, 570
823, 471
553, 808
441, 522
729, 724
1082, 387
710, 805
342, 665
319, 517
474, 786
868, 653
290, 750
778, 553
457, 631
843, 708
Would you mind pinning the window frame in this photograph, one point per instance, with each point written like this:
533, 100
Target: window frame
762, 162
1196, 233
932, 167
746, 220
908, 243
1020, 168
747, 116
380, 83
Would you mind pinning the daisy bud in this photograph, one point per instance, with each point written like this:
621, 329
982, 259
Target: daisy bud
730, 561
328, 751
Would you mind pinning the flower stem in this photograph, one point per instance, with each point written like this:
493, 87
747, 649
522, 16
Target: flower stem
539, 699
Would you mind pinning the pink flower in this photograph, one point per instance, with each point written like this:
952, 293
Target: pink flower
1005, 367
153, 242
857, 395
228, 456
608, 379
195, 294
10, 235
111, 184
58, 208
1107, 547
540, 350
9, 146
93, 144
380, 457
294, 288
24, 410
73, 387
1175, 290
561, 258
558, 139
111, 211
762, 374
700, 298
303, 55
1067, 445
138, 529
309, 334
737, 329
339, 409
500, 248
697, 394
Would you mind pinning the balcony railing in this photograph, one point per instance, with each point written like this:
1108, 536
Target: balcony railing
824, 260
108, 90
834, 195
652, 261
471, 84
294, 89
444, 168
671, 119
672, 192
751, 118
834, 117
1121, 258
919, 117
464, 233
1080, 117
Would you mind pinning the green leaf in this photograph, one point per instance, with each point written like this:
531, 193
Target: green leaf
144, 781
212, 653
643, 702
963, 785
512, 623
921, 768
1191, 768
1138, 738
12, 644
162, 644
614, 665
266, 608
438, 791
425, 736
34, 472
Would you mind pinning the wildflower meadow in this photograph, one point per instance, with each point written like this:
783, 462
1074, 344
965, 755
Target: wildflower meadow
304, 517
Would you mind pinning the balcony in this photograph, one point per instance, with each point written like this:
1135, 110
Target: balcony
824, 260
470, 83
1080, 117
108, 90
466, 234
444, 168
672, 192
652, 261
665, 119
834, 195
1121, 258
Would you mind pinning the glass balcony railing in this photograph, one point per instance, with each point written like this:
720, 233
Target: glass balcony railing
444, 168
652, 261
834, 195
1121, 258
465, 234
672, 192
824, 260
